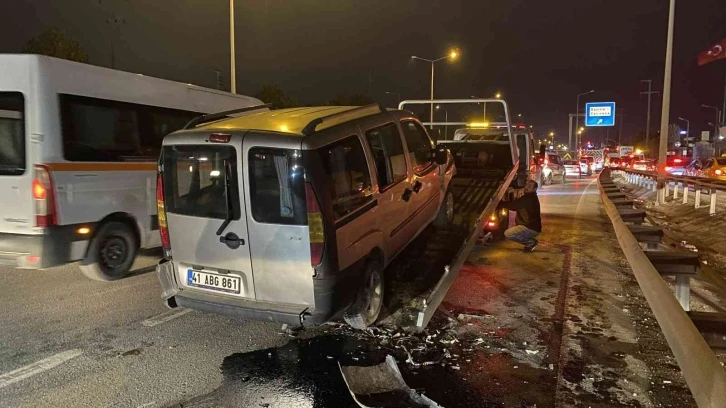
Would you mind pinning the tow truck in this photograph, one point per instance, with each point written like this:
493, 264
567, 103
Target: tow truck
487, 164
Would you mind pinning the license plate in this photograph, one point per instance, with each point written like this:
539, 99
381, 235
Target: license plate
213, 281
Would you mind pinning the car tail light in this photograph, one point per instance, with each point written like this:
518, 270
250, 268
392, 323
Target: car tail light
44, 198
719, 172
161, 214
677, 161
668, 168
315, 225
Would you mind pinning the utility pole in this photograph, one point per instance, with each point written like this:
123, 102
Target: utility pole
647, 120
233, 73
665, 110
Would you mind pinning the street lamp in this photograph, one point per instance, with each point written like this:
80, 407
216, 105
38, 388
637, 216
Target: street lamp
232, 75
718, 117
688, 127
496, 96
452, 55
552, 135
446, 126
577, 112
396, 94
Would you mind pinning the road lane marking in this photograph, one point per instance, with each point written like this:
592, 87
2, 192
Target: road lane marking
165, 317
38, 367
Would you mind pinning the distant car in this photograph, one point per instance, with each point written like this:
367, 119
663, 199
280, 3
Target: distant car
614, 162
715, 168
643, 165
587, 165
676, 166
572, 169
554, 169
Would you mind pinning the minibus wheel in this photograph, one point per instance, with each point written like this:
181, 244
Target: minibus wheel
111, 253
368, 301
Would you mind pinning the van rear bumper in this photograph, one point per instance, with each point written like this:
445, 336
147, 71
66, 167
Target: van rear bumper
57, 246
326, 302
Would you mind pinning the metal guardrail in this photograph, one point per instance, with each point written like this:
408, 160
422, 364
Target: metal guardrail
704, 375
648, 179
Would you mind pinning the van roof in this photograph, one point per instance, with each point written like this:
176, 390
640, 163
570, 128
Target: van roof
290, 121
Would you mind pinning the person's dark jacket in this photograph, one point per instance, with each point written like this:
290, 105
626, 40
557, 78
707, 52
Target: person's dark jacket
527, 208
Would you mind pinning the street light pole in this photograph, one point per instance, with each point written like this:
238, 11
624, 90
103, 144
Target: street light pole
718, 118
688, 127
446, 126
647, 119
665, 110
397, 95
577, 112
232, 75
452, 55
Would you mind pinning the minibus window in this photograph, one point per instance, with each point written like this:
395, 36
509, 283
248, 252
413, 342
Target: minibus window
12, 133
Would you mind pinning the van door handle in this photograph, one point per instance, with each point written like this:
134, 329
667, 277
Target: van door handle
417, 186
232, 240
407, 194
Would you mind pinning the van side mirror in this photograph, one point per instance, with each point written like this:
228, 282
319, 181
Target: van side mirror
441, 155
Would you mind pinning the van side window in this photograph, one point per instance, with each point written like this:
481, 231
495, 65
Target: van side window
345, 164
12, 133
385, 143
104, 130
277, 186
419, 146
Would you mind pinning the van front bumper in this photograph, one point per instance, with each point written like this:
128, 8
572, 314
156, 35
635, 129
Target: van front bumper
326, 302
57, 246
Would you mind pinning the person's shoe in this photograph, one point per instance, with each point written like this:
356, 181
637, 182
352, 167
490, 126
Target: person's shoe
531, 248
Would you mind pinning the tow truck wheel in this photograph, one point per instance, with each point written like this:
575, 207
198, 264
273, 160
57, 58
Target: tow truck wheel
111, 253
368, 302
445, 217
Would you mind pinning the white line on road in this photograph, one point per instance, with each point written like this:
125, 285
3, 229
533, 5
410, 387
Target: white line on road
165, 317
38, 367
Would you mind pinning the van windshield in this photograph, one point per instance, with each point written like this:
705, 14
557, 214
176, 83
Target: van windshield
196, 179
12, 133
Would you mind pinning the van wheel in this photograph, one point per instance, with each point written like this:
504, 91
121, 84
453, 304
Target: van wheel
368, 302
111, 253
445, 217
548, 180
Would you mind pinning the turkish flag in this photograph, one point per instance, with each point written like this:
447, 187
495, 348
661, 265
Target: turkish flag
717, 51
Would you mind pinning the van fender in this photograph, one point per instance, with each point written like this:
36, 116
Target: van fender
370, 241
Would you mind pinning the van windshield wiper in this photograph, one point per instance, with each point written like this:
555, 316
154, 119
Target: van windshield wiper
228, 196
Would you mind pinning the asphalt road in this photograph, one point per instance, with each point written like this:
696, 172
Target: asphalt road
71, 342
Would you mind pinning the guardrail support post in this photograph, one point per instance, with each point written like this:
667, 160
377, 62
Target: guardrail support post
683, 291
712, 210
685, 193
654, 184
667, 190
698, 197
675, 191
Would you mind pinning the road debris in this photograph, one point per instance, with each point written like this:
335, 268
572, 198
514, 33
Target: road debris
382, 386
688, 246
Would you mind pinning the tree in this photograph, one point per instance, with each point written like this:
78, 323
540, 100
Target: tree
271, 93
54, 42
351, 100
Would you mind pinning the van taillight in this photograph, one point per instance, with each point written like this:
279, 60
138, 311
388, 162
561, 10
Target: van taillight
315, 225
161, 214
44, 198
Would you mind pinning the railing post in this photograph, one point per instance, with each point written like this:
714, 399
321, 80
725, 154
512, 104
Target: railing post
683, 291
685, 192
654, 184
667, 189
712, 210
675, 191
698, 196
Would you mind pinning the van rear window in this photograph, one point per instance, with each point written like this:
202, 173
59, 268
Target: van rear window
196, 179
12, 133
277, 186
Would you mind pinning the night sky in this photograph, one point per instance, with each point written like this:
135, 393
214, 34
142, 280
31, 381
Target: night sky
540, 54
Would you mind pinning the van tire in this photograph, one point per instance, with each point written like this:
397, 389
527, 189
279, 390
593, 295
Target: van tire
111, 253
368, 301
445, 216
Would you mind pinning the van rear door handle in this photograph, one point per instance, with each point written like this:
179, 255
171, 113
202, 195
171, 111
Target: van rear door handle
232, 240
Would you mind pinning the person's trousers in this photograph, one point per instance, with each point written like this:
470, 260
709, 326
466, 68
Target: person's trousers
521, 234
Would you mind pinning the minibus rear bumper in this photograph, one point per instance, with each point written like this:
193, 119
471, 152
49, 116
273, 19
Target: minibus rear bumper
56, 246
